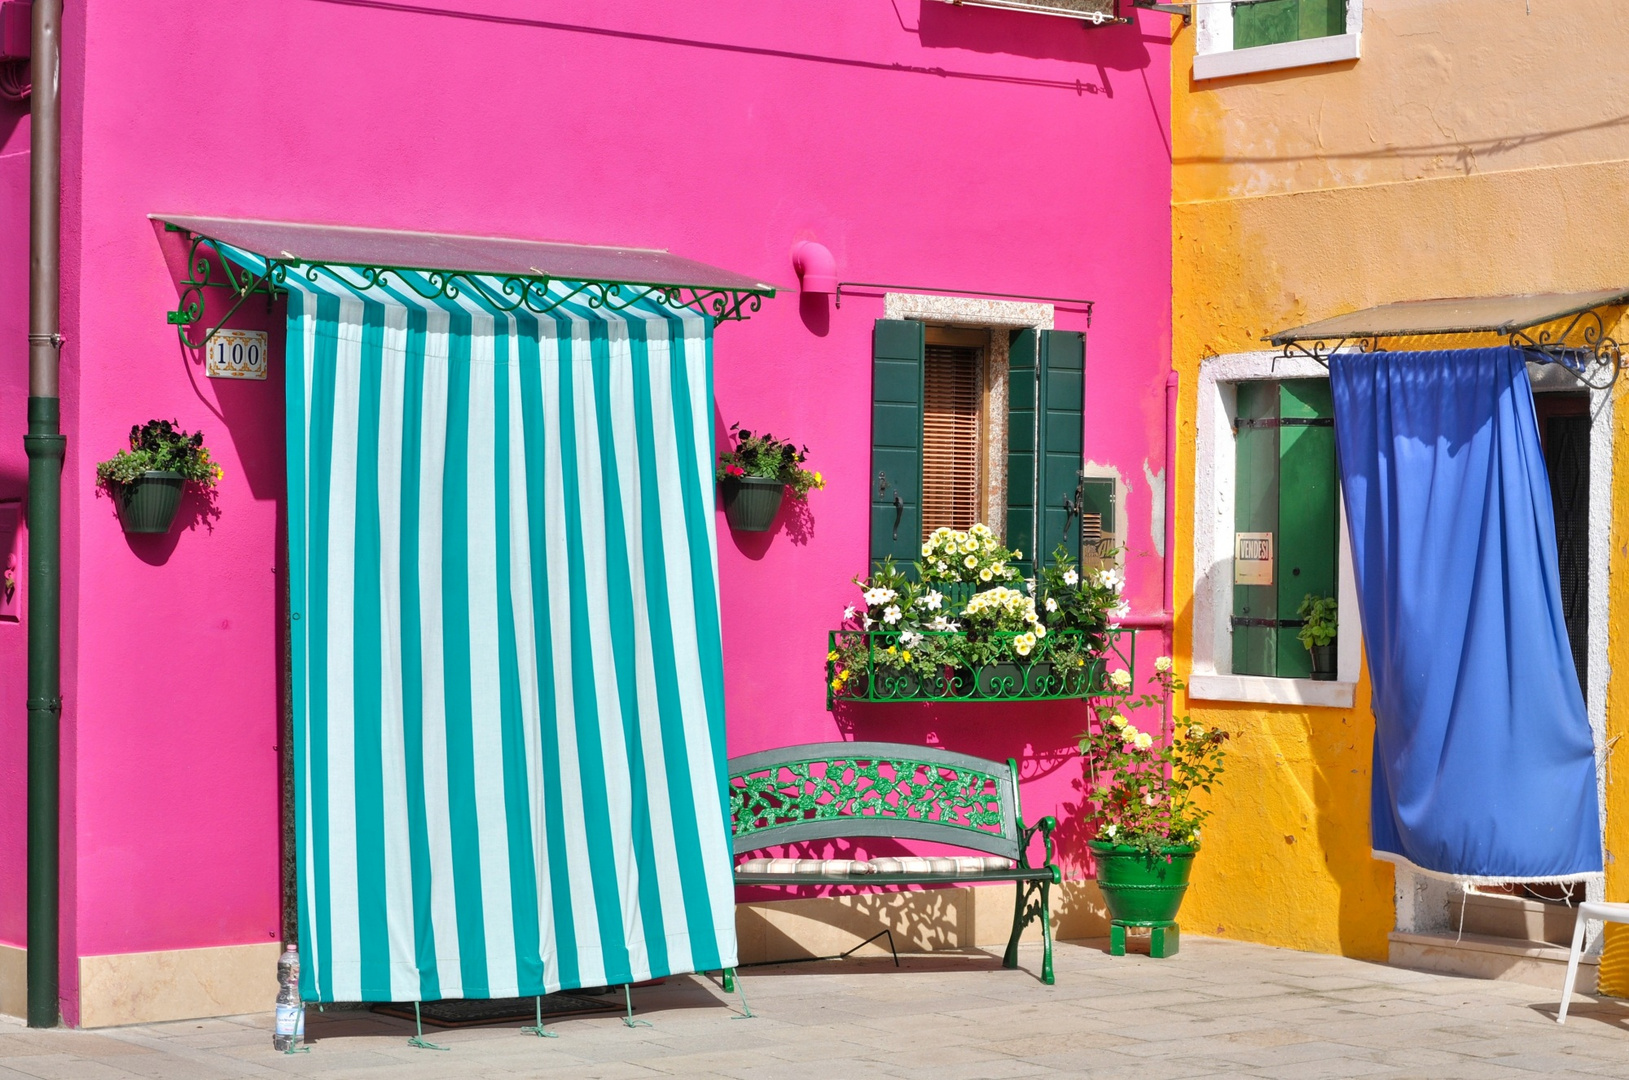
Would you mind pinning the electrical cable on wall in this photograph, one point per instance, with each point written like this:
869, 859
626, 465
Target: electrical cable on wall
14, 80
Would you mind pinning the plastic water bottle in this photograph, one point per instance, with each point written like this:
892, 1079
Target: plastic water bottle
289, 1028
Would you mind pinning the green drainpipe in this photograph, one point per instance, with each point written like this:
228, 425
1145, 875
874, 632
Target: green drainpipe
44, 444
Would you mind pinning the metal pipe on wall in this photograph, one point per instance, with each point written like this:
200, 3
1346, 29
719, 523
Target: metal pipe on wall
45, 445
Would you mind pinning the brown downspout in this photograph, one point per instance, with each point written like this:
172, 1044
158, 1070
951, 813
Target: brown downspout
44, 445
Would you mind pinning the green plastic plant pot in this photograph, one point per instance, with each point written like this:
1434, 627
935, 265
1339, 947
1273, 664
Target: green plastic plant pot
1140, 889
148, 503
751, 502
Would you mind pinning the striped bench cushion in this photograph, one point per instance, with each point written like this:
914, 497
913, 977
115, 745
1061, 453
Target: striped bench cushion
852, 868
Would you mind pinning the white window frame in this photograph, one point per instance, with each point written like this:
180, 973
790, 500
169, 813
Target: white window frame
1216, 58
1212, 677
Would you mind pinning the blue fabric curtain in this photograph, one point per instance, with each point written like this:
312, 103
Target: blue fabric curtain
1484, 763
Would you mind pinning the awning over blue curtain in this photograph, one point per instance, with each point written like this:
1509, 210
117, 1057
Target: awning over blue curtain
1484, 763
508, 678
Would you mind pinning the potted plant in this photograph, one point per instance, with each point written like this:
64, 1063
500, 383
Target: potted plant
1145, 820
959, 564
146, 480
755, 474
1320, 621
958, 625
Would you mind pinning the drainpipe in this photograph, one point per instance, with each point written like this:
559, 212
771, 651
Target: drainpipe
44, 444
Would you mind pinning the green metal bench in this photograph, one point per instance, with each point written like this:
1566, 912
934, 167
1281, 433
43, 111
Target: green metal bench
847, 790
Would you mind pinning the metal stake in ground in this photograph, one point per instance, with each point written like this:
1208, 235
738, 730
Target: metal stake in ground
419, 1040
539, 1030
627, 992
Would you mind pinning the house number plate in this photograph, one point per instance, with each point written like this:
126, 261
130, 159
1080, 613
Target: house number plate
237, 354
1253, 558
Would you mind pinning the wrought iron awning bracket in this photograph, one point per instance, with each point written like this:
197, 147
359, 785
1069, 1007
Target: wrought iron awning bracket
201, 275
1596, 362
1320, 349
530, 291
1600, 356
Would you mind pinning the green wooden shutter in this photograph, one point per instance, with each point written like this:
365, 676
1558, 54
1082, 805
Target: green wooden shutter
1285, 485
1269, 22
1099, 500
1023, 368
1308, 518
1062, 384
896, 440
1255, 509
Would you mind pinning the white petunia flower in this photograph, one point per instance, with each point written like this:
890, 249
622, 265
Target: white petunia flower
891, 614
1070, 577
849, 612
1051, 604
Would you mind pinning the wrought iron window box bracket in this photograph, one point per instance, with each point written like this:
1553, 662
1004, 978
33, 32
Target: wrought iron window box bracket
208, 269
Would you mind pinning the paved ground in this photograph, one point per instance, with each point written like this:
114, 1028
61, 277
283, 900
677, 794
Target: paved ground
1218, 1009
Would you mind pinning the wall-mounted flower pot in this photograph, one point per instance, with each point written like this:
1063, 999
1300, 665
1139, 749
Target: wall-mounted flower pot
1323, 661
751, 502
148, 503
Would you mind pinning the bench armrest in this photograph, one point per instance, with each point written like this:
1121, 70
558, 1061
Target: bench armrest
1027, 833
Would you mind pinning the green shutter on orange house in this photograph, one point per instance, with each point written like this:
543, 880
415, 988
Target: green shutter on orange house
1308, 517
896, 440
1270, 22
1255, 510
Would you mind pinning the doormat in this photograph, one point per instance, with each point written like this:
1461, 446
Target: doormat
456, 1013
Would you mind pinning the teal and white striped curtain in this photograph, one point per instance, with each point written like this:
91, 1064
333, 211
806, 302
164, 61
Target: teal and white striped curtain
508, 681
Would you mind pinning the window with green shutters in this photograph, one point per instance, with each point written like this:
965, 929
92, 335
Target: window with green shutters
1270, 22
1286, 496
1044, 432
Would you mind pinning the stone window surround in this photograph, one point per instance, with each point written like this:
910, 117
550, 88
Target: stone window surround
1216, 58
1212, 678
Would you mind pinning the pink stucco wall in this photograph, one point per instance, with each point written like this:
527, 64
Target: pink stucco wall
925, 144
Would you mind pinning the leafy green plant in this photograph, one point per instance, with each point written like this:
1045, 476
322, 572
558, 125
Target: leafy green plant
1322, 620
765, 456
1143, 792
1072, 598
161, 446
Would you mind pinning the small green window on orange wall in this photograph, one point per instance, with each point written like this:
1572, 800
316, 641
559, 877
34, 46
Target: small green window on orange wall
1270, 22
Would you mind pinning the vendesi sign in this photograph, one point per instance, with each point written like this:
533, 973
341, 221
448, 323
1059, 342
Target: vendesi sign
236, 354
1253, 558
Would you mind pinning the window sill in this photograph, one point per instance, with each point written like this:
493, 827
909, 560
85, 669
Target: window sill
1270, 691
1288, 54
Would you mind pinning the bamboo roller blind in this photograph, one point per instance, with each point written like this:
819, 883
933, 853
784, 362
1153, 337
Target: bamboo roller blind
950, 437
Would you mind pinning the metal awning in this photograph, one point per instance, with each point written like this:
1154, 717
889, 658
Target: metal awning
608, 277
1580, 344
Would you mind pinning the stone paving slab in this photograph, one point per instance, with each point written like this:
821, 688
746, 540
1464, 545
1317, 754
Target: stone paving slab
1218, 1009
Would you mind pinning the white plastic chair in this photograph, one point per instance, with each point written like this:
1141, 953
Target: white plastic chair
1618, 913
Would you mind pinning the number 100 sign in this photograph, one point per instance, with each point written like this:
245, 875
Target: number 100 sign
236, 354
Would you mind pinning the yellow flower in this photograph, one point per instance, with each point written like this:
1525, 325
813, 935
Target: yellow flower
907, 654
1144, 740
1117, 720
1195, 731
985, 575
970, 562
836, 684
832, 655
820, 481
890, 648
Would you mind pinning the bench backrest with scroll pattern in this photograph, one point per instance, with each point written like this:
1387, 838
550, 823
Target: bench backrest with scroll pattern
823, 791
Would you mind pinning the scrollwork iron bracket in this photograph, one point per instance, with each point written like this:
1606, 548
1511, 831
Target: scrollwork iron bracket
1595, 360
202, 274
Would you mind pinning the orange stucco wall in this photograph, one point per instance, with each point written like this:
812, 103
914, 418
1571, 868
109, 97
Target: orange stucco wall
1474, 149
